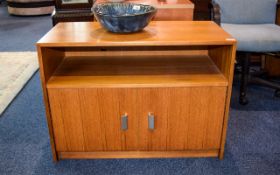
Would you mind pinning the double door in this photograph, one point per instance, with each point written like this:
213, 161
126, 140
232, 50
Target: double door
137, 119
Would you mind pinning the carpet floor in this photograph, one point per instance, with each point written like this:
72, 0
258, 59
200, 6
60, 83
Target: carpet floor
253, 140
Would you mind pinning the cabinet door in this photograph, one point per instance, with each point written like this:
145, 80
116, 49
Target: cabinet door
185, 118
90, 119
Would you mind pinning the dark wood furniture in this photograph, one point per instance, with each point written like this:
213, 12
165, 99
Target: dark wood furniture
244, 60
72, 12
30, 7
201, 10
143, 95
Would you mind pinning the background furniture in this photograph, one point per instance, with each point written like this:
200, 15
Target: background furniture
201, 10
30, 7
72, 11
162, 92
272, 66
168, 10
252, 23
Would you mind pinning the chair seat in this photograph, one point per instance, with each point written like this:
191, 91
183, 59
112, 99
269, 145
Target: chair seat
255, 37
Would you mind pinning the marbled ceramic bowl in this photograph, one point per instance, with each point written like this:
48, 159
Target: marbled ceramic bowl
123, 17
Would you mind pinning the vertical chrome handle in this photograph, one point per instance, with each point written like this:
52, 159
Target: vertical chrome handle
124, 119
151, 121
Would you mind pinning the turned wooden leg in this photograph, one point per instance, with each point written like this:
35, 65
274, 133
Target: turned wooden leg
245, 61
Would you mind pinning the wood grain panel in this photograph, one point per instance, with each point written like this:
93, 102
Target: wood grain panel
168, 10
179, 14
137, 71
178, 118
215, 115
128, 103
222, 58
49, 59
205, 117
272, 65
70, 116
197, 117
92, 122
57, 120
111, 118
153, 100
138, 154
186, 118
93, 126
230, 56
157, 33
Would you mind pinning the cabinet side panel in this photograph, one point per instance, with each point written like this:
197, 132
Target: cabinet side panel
91, 120
178, 118
49, 59
231, 55
221, 56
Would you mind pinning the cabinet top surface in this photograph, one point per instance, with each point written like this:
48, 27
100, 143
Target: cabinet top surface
157, 33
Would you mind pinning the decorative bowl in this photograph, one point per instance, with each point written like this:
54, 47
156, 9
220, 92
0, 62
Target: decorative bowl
123, 17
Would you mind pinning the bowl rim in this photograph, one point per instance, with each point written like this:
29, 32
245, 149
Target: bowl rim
154, 9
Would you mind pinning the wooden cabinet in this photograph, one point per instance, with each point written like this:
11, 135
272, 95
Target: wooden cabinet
142, 95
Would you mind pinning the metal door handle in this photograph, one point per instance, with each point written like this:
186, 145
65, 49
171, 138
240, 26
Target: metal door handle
124, 119
151, 121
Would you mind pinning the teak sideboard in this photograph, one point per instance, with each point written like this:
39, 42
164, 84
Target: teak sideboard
163, 92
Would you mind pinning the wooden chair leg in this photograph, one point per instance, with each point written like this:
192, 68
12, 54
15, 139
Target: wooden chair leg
245, 64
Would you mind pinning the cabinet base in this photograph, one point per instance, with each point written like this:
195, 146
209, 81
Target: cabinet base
138, 154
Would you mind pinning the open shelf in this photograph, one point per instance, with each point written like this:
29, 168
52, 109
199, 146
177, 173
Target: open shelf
137, 71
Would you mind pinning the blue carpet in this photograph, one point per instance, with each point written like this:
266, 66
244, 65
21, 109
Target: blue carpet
253, 140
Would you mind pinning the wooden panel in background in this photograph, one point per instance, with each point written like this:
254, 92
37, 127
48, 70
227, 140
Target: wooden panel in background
167, 10
180, 14
201, 10
272, 66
